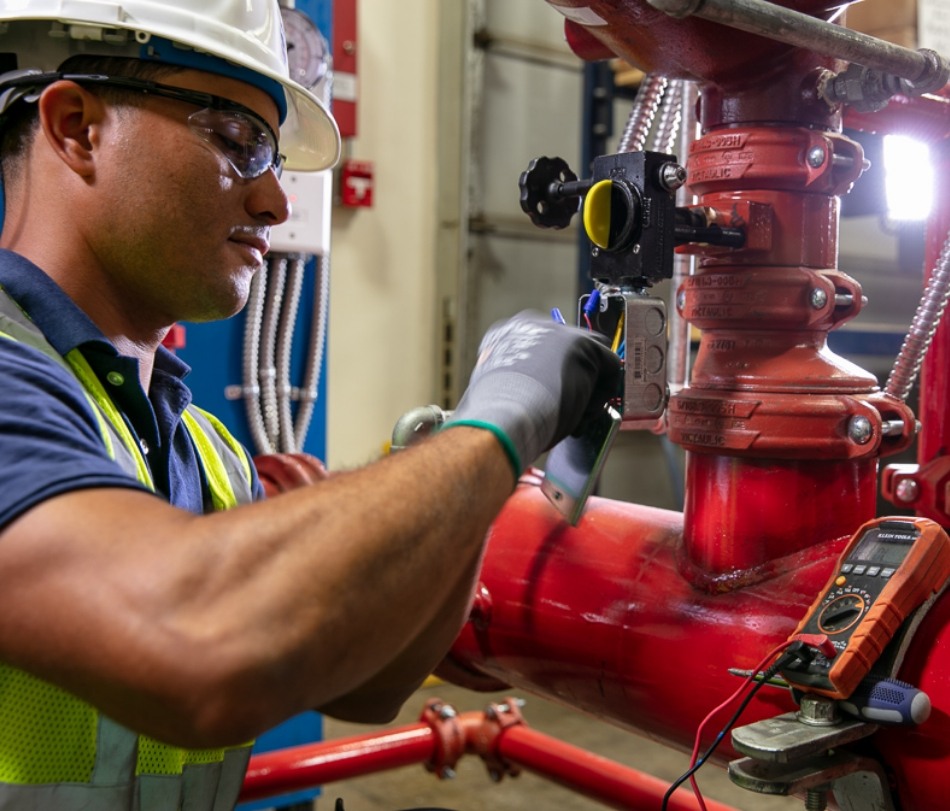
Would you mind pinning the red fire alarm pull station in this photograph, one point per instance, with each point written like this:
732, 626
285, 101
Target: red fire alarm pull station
356, 183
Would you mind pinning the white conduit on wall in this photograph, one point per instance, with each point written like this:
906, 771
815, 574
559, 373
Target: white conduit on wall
318, 339
250, 383
272, 316
285, 339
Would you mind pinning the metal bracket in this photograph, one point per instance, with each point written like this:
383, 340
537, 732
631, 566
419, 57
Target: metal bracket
859, 784
799, 753
787, 740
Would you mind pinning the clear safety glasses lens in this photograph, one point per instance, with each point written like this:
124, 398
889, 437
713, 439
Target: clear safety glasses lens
244, 142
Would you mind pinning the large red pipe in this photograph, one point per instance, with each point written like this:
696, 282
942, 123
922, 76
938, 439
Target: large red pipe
612, 618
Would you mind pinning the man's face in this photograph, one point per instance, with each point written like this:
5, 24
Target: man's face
187, 232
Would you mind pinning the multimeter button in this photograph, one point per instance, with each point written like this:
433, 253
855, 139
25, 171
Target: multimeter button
874, 571
887, 571
840, 580
860, 569
846, 567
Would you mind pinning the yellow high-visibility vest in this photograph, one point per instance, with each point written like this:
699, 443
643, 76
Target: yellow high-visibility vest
57, 752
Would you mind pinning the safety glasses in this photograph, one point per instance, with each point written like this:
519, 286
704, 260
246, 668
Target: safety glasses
241, 136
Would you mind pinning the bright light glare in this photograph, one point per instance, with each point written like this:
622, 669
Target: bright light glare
908, 178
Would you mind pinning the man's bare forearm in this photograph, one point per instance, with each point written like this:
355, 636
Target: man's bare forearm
271, 608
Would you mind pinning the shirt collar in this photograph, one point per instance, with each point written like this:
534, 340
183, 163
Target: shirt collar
58, 317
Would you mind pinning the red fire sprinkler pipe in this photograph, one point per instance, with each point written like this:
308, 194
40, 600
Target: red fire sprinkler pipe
637, 615
595, 777
301, 767
498, 735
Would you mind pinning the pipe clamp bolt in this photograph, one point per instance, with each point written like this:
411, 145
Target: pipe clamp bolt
907, 491
819, 298
816, 156
860, 430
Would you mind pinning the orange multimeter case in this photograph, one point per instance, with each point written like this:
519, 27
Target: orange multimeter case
888, 569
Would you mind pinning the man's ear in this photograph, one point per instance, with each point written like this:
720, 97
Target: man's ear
69, 118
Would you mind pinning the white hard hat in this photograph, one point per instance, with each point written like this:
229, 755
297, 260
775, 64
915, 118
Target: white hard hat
243, 39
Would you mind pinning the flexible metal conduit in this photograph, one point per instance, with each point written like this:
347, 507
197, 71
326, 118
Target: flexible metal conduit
925, 69
271, 321
290, 306
270, 324
310, 387
250, 384
670, 118
922, 328
640, 120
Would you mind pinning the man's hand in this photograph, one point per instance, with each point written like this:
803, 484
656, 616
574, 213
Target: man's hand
533, 383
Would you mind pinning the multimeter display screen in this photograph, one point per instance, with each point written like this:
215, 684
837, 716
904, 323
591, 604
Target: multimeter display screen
890, 552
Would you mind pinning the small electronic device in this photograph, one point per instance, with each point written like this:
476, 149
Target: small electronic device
575, 463
887, 570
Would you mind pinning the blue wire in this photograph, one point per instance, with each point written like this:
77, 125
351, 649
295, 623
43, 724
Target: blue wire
592, 303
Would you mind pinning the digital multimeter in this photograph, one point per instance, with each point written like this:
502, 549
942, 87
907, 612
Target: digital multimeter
888, 569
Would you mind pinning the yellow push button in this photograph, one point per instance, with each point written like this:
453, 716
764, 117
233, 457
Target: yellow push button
840, 580
597, 211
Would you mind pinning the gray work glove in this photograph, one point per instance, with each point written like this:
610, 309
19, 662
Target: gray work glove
533, 383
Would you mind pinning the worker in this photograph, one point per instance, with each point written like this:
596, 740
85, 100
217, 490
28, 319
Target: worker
155, 613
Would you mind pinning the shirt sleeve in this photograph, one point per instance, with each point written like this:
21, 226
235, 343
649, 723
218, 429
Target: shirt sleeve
50, 442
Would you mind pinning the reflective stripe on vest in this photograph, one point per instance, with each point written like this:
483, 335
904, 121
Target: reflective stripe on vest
56, 751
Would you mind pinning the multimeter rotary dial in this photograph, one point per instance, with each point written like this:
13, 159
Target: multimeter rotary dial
308, 53
842, 611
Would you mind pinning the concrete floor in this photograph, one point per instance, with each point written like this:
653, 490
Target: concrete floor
413, 787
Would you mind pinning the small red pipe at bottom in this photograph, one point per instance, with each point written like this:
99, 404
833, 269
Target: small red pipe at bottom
603, 780
499, 735
300, 767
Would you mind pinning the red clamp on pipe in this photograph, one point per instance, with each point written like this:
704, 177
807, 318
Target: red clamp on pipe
472, 732
449, 737
484, 739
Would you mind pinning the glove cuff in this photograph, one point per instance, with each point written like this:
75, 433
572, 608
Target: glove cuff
507, 445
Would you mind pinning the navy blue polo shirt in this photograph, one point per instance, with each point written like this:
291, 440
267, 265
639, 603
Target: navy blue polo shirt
50, 442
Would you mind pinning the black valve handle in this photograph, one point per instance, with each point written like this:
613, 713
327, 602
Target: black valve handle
550, 192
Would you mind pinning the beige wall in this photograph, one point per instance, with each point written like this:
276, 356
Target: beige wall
380, 361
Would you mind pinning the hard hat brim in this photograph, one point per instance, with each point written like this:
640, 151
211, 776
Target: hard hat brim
309, 136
